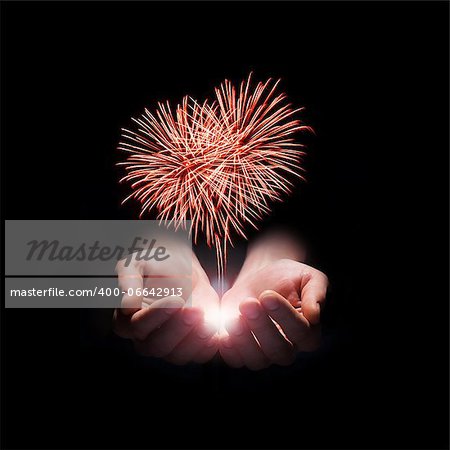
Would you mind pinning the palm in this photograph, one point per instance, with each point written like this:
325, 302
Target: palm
283, 276
165, 307
268, 314
190, 281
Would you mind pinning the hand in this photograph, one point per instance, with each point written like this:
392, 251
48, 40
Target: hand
279, 304
166, 327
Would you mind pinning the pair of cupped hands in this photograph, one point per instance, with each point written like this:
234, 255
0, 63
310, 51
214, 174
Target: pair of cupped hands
271, 312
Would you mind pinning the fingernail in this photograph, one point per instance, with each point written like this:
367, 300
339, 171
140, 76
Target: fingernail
270, 303
236, 327
251, 310
206, 330
191, 316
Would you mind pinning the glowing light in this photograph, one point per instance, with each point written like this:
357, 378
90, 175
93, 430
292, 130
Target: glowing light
219, 164
220, 318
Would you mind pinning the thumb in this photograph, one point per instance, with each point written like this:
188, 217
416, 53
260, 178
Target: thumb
313, 294
130, 282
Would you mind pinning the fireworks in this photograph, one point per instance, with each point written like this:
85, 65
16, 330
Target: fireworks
219, 163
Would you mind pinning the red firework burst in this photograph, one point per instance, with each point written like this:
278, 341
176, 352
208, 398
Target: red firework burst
218, 164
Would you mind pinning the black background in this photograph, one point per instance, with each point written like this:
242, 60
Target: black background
373, 78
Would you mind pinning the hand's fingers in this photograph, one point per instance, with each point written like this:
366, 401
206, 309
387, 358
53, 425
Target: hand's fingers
121, 324
189, 347
208, 351
273, 344
245, 343
229, 353
148, 301
293, 323
313, 292
148, 319
162, 342
143, 322
130, 281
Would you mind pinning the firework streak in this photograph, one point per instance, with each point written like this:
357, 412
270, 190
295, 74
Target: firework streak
218, 163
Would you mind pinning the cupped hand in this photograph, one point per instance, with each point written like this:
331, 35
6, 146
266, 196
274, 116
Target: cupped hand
272, 313
168, 327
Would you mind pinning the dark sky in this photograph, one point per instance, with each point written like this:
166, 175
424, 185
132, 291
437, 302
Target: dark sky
373, 78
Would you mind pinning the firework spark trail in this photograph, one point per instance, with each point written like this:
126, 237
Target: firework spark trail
219, 164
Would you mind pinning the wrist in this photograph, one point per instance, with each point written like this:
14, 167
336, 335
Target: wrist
268, 250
